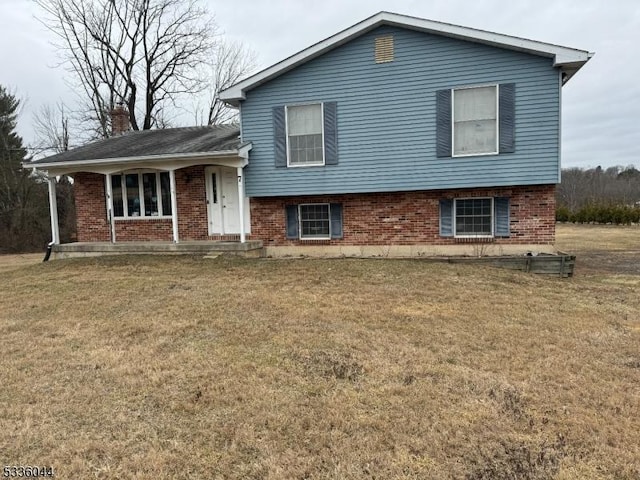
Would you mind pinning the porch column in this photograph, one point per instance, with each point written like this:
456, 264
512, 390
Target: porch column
112, 223
174, 205
53, 210
241, 203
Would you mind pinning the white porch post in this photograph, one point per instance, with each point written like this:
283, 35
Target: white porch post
53, 210
241, 203
174, 205
112, 224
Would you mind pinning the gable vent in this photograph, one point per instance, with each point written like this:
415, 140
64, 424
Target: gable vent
384, 49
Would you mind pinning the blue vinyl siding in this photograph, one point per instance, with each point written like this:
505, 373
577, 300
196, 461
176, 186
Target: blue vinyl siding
387, 121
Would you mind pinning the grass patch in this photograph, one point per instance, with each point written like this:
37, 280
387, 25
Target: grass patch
175, 367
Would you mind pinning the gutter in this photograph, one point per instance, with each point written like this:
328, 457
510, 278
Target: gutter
141, 158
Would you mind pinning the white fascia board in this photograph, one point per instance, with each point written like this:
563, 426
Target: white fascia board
127, 160
561, 55
243, 151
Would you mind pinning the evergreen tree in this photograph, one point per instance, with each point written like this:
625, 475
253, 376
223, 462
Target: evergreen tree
23, 200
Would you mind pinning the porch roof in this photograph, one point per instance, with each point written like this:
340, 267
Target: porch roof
150, 147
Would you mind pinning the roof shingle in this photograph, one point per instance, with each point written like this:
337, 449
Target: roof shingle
147, 143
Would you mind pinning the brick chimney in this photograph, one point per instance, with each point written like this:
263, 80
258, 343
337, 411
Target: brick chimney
119, 120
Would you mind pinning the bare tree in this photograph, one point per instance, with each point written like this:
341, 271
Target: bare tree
613, 186
142, 53
232, 62
51, 126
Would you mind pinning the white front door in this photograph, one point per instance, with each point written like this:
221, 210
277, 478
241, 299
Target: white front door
222, 200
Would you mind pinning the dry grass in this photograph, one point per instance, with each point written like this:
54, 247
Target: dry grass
187, 368
598, 237
13, 262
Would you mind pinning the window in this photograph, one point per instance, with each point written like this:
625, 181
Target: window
304, 135
314, 221
141, 195
116, 189
474, 217
475, 121
133, 195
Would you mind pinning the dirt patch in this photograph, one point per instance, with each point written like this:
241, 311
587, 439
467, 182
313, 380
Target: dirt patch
338, 365
602, 261
601, 248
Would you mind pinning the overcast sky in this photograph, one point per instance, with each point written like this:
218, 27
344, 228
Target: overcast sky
601, 104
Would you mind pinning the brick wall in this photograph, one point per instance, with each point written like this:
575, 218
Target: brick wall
409, 218
192, 204
404, 218
91, 208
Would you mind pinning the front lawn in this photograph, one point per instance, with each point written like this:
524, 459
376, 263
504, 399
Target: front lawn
173, 367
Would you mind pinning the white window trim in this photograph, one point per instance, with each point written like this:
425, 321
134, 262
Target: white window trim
286, 125
453, 123
455, 223
125, 200
328, 237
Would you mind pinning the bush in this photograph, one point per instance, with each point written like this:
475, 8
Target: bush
600, 213
562, 214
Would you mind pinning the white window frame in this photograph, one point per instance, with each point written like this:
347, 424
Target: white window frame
455, 223
453, 123
286, 124
125, 200
301, 237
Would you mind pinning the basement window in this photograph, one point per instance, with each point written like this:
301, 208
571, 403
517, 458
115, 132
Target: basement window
473, 217
314, 221
384, 49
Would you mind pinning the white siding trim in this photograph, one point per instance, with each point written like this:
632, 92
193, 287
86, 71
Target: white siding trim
559, 127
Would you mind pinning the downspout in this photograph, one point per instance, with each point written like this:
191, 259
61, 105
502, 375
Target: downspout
48, 252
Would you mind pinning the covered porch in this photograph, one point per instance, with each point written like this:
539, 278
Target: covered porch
154, 191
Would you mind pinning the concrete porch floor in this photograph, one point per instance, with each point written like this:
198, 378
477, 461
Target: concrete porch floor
251, 248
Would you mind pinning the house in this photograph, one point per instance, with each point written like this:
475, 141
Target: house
398, 136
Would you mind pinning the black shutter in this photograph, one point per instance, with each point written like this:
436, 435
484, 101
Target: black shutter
507, 116
501, 213
279, 137
330, 133
292, 221
335, 210
443, 123
446, 218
